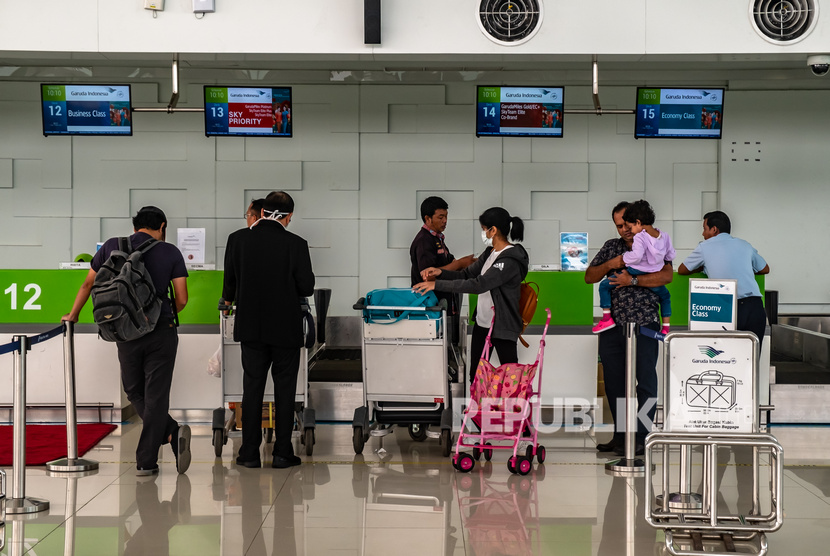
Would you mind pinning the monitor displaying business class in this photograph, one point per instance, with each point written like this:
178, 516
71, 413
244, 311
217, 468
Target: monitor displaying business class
248, 111
679, 113
79, 109
520, 111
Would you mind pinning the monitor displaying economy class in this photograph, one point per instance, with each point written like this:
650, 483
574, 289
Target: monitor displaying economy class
248, 111
679, 113
520, 111
86, 109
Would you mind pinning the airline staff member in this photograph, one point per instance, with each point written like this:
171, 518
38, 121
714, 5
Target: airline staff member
721, 256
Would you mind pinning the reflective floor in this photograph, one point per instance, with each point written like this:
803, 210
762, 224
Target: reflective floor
404, 499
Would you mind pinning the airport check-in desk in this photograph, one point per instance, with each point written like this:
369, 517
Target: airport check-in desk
570, 358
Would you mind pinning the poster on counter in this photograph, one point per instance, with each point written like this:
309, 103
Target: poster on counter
574, 249
711, 383
191, 242
712, 304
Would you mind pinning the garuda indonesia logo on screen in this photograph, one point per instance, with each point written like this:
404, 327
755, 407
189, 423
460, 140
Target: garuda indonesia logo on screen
712, 353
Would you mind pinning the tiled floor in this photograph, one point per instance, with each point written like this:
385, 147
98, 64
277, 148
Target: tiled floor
405, 500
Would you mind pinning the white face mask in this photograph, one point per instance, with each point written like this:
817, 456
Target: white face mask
488, 241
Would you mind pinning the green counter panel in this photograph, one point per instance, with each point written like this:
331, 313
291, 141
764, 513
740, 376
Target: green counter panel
44, 296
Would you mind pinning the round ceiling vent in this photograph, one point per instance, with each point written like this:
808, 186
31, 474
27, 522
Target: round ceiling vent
510, 22
784, 21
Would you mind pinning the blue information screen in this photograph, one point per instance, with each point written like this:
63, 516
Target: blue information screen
249, 111
520, 111
688, 113
86, 110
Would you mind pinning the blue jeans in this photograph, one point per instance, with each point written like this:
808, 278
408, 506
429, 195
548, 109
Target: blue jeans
605, 288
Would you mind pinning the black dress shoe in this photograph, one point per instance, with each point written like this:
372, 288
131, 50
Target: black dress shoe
281, 462
639, 449
253, 463
608, 446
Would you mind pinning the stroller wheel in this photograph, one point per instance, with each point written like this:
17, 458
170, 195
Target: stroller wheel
488, 452
466, 463
540, 453
529, 452
524, 465
476, 452
511, 464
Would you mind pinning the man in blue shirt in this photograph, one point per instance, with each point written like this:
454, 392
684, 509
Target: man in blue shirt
721, 256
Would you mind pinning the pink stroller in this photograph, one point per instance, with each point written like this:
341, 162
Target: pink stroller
500, 405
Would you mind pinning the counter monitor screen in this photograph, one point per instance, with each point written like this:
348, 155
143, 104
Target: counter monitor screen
248, 111
684, 113
520, 111
86, 109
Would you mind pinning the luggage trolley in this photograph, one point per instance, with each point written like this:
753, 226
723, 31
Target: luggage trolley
232, 392
405, 373
711, 401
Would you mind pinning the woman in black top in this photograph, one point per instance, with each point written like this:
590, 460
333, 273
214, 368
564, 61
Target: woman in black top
495, 277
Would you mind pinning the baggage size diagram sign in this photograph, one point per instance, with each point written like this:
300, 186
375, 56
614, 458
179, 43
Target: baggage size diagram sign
711, 384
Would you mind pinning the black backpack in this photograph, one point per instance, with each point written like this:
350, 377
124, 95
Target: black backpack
125, 305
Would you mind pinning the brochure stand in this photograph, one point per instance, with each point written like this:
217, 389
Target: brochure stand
711, 401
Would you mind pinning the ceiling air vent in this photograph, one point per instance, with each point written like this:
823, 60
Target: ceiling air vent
510, 22
784, 21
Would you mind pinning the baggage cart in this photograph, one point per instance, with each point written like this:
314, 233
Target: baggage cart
406, 380
232, 373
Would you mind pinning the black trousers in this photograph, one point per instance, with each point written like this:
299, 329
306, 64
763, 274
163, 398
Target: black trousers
147, 374
752, 317
612, 353
506, 349
284, 363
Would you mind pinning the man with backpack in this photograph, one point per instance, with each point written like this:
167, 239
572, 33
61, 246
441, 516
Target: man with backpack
145, 333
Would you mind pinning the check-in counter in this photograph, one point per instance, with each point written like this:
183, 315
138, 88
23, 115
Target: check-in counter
35, 300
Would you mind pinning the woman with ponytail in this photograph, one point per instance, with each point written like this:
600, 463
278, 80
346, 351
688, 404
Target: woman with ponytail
495, 276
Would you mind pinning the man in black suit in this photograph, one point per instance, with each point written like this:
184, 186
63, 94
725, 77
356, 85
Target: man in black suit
267, 272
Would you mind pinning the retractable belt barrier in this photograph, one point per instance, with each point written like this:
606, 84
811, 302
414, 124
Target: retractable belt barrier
18, 503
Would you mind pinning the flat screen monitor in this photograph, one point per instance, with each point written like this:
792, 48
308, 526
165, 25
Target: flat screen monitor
520, 111
86, 109
679, 113
248, 111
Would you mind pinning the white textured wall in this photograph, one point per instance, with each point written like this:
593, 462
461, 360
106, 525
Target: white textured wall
424, 27
362, 159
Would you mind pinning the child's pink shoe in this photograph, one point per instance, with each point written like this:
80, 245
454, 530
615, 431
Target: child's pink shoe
665, 330
605, 323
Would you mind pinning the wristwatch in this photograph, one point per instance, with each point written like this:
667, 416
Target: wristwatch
634, 280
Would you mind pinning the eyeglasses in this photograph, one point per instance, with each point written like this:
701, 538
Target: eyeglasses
248, 215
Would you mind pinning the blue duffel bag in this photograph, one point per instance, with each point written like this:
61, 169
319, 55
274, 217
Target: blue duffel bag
399, 298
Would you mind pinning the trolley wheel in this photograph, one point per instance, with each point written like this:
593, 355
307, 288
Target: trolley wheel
488, 452
524, 465
357, 440
417, 432
308, 440
540, 453
511, 464
269, 435
476, 452
218, 441
446, 442
466, 463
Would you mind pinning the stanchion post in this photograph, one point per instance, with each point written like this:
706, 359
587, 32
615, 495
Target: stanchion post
629, 466
18, 503
71, 462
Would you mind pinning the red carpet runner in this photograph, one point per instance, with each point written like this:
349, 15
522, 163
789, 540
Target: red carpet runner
45, 443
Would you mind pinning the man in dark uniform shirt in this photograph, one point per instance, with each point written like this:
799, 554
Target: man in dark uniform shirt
429, 250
